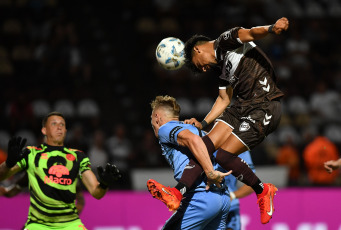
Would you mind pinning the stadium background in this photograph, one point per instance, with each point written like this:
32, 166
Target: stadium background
96, 63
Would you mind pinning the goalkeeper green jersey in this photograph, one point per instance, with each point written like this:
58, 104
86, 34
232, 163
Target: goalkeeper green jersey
53, 172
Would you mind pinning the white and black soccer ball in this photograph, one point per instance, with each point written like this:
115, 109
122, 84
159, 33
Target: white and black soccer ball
170, 53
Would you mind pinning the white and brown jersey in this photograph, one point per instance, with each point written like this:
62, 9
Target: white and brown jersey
246, 69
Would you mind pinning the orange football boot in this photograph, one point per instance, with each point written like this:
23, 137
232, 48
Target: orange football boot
169, 196
265, 202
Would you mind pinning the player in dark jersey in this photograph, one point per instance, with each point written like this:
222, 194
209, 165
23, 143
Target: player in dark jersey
53, 171
247, 74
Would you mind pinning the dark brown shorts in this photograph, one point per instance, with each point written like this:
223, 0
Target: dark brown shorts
252, 123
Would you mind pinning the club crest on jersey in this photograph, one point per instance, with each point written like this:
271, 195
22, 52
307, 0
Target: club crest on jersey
58, 171
70, 157
244, 126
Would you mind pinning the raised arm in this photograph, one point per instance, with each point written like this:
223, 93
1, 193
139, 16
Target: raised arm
15, 152
259, 32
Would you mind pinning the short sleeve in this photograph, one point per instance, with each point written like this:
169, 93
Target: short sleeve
228, 40
23, 163
168, 133
84, 164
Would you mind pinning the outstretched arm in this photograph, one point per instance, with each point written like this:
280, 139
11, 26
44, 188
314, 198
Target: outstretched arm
92, 184
255, 33
15, 152
109, 175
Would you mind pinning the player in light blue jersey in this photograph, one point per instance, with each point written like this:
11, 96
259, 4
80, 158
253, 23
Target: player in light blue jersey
200, 208
233, 219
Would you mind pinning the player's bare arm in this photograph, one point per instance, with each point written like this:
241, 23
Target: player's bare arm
92, 185
259, 32
222, 101
197, 147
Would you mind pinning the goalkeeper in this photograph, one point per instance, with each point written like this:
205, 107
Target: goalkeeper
53, 171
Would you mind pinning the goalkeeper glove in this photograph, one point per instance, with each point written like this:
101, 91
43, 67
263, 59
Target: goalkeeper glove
15, 151
108, 175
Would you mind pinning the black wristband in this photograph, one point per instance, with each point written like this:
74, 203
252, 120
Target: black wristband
270, 29
103, 186
203, 124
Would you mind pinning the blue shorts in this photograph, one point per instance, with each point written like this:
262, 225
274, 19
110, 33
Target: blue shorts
201, 210
233, 220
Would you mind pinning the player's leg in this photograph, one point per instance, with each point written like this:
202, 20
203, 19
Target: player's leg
193, 170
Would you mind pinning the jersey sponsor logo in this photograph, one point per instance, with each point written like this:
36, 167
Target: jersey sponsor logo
244, 126
172, 133
70, 157
58, 171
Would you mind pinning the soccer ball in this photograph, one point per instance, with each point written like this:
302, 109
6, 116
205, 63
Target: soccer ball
170, 53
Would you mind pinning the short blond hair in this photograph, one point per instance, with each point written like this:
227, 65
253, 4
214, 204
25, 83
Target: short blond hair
167, 103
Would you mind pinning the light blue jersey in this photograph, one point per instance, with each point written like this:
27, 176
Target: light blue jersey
199, 209
233, 221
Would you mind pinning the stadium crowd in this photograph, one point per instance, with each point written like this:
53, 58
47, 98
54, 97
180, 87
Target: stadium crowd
96, 64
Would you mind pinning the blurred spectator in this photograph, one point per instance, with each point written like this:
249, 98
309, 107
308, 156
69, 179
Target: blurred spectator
148, 153
323, 101
76, 138
315, 154
88, 108
65, 107
120, 147
40, 108
288, 155
20, 112
98, 154
4, 138
3, 156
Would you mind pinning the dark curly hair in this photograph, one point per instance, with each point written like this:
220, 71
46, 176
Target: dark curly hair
189, 45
